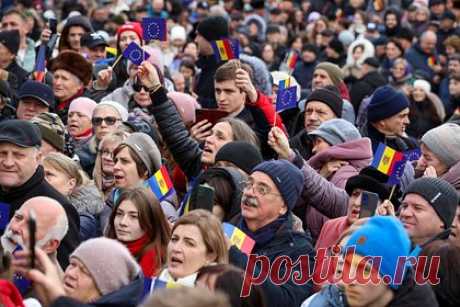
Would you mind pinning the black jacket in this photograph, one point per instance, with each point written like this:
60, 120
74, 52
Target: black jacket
204, 86
16, 76
365, 87
398, 143
38, 186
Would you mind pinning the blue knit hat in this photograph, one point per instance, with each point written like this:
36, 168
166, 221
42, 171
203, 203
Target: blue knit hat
385, 237
287, 178
385, 102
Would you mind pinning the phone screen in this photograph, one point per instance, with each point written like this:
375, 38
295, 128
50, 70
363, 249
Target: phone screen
202, 197
212, 115
369, 203
52, 24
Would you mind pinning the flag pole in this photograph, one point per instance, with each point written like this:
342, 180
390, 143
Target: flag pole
117, 61
393, 188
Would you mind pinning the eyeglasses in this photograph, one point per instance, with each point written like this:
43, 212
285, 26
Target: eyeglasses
109, 120
106, 152
260, 189
137, 86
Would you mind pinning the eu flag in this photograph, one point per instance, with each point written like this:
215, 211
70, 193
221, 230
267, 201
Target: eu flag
154, 28
286, 98
135, 53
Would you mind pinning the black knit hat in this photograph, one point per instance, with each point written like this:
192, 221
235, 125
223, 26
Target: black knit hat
11, 40
369, 179
213, 28
439, 194
243, 154
328, 97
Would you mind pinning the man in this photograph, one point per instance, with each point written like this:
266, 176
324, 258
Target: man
74, 28
371, 79
10, 71
428, 209
210, 29
387, 119
53, 132
51, 221
22, 177
269, 195
455, 233
422, 55
34, 98
93, 45
437, 9
15, 20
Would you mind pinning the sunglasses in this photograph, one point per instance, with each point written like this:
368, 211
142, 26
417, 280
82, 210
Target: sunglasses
137, 86
109, 120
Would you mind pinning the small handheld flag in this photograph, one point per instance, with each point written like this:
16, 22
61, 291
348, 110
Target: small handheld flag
154, 28
292, 60
112, 51
389, 161
4, 215
413, 155
39, 70
238, 238
286, 98
226, 49
160, 183
285, 83
135, 53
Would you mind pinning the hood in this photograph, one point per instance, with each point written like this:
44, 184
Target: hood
358, 153
127, 296
261, 73
260, 22
369, 51
77, 20
87, 199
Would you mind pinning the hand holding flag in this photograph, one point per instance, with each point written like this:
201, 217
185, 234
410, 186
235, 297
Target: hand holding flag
238, 238
390, 162
135, 54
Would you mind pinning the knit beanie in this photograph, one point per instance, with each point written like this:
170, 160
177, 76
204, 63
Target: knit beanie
213, 28
121, 110
444, 142
178, 32
337, 131
130, 26
287, 178
330, 98
146, 149
334, 71
424, 85
186, 105
243, 154
385, 103
84, 106
11, 40
109, 263
439, 194
383, 237
51, 128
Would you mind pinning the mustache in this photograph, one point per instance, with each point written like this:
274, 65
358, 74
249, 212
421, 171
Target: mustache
7, 241
249, 201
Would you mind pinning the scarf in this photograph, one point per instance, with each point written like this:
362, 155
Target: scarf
147, 259
266, 233
65, 103
85, 134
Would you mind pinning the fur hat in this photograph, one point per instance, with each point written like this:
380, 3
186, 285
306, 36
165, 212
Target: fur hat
74, 63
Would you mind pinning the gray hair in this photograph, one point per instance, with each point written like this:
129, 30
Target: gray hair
58, 231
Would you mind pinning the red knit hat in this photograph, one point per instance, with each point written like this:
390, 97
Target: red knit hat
130, 26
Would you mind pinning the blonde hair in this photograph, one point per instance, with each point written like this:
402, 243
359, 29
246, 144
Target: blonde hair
211, 231
65, 165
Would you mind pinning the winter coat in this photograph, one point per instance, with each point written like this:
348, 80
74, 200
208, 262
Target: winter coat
452, 176
27, 62
127, 296
38, 186
419, 60
421, 115
204, 86
365, 87
398, 143
303, 73
357, 153
87, 199
16, 76
286, 242
87, 155
122, 95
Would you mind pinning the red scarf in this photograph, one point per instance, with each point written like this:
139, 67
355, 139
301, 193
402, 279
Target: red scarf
65, 103
146, 259
85, 134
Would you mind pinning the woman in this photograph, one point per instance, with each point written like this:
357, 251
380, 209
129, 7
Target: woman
67, 177
126, 34
393, 50
401, 75
441, 154
426, 109
90, 279
108, 117
103, 167
358, 51
138, 222
79, 123
269, 57
197, 240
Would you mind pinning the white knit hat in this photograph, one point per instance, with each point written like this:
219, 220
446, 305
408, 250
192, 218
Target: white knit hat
424, 85
121, 110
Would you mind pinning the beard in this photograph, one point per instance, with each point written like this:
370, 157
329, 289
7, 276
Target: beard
7, 241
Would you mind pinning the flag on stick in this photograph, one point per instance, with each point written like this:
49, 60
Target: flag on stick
226, 49
135, 54
238, 238
160, 183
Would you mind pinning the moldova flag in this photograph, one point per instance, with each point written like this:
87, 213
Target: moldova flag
238, 238
390, 162
292, 60
160, 183
39, 71
135, 53
226, 49
154, 28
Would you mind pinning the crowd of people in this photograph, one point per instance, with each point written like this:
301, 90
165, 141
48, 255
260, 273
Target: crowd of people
84, 130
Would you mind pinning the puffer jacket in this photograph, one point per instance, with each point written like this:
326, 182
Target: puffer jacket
87, 199
357, 153
286, 242
127, 296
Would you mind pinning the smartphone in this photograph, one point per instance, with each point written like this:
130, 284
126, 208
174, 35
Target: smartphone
52, 25
369, 203
212, 115
32, 224
202, 197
